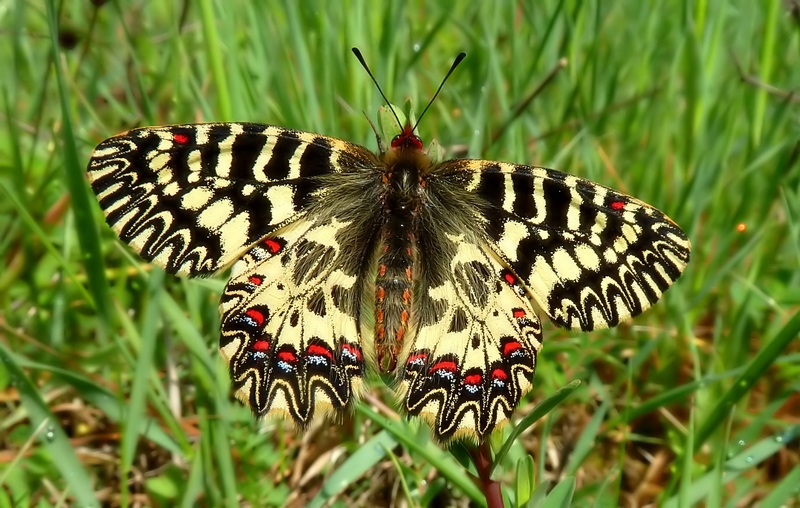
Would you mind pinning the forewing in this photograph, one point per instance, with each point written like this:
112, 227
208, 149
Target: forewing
475, 348
289, 324
192, 198
590, 256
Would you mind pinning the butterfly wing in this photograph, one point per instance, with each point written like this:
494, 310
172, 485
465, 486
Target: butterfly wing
290, 324
193, 198
494, 238
590, 256
475, 348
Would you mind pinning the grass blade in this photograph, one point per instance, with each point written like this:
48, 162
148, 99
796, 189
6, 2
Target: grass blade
431, 453
534, 416
82, 206
743, 383
356, 465
55, 441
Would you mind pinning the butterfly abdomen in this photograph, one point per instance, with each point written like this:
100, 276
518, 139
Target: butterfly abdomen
402, 199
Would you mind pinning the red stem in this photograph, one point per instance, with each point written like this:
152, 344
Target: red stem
482, 458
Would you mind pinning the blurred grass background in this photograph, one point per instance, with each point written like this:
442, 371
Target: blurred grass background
111, 388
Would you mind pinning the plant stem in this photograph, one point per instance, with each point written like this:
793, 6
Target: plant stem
482, 458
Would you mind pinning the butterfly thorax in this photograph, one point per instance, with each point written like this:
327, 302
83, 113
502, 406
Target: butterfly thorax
402, 197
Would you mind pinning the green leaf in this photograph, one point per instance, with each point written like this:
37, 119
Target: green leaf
359, 463
561, 495
525, 480
540, 494
388, 118
534, 416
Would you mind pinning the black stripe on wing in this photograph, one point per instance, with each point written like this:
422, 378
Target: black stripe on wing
589, 255
192, 198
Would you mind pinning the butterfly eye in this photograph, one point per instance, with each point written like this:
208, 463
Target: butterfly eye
407, 141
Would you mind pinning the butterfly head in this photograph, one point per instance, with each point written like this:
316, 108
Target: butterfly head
407, 140
405, 150
398, 125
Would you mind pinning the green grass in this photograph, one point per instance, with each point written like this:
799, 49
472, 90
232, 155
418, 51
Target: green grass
111, 388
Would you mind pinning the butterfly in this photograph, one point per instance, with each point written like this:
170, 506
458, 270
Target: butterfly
343, 260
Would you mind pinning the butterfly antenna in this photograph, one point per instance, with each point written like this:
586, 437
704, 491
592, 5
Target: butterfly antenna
457, 61
366, 68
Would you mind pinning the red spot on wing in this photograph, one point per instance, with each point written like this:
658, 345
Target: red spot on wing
181, 139
617, 205
287, 356
272, 246
261, 345
256, 316
518, 313
353, 350
418, 356
499, 374
317, 350
473, 379
509, 278
510, 347
255, 280
445, 365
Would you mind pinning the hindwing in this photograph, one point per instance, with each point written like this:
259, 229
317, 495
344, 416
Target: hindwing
475, 347
290, 324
